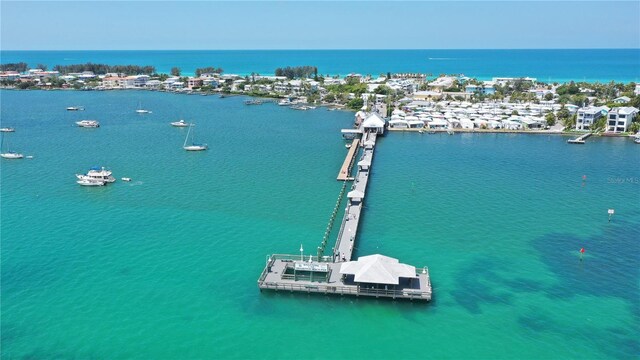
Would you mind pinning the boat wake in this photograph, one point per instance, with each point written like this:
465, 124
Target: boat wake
441, 59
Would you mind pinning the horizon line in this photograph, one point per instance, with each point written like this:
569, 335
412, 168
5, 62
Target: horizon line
328, 49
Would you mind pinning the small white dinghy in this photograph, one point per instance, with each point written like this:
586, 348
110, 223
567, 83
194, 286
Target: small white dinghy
180, 123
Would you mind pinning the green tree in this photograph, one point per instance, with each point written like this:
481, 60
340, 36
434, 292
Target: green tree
521, 85
25, 85
383, 90
599, 124
563, 114
352, 80
579, 100
175, 71
355, 104
570, 122
208, 70
551, 118
548, 96
19, 67
569, 89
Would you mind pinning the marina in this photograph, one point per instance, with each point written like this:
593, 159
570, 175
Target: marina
374, 275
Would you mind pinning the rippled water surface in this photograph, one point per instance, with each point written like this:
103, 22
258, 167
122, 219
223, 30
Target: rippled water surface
165, 266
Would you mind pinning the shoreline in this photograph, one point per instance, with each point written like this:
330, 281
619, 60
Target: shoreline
435, 61
335, 107
503, 131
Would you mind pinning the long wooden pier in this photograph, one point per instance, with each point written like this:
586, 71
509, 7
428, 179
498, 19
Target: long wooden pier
345, 170
335, 274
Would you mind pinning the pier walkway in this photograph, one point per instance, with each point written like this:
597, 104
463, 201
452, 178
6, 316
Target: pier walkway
349, 228
345, 170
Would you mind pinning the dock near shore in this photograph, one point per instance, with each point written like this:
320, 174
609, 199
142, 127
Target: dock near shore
580, 139
345, 169
337, 274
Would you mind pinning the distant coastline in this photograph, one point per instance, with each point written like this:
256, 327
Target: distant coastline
453, 100
549, 65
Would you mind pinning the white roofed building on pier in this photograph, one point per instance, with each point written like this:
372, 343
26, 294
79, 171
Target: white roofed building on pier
373, 123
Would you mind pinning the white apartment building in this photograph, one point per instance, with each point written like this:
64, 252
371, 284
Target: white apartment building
619, 119
588, 115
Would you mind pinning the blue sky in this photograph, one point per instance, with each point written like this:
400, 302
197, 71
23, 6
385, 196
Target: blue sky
142, 25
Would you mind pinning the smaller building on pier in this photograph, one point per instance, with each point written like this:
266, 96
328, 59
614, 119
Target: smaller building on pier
373, 123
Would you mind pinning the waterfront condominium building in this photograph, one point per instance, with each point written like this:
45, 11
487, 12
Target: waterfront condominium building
619, 119
588, 115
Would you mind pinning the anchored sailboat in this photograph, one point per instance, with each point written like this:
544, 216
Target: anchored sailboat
194, 146
8, 154
141, 110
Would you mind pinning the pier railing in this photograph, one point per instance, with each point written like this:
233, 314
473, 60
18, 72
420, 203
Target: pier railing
290, 257
348, 290
334, 214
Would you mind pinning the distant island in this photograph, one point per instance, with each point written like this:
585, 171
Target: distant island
610, 108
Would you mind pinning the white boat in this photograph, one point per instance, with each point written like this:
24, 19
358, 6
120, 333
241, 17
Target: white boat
8, 154
348, 146
126, 179
88, 123
7, 129
140, 110
75, 108
11, 155
194, 146
97, 173
180, 123
285, 102
90, 182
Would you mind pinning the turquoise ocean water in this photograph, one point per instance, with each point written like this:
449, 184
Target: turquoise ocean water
592, 65
165, 267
